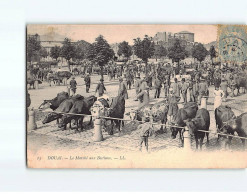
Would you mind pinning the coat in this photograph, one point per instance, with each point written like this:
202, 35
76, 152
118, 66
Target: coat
176, 88
100, 88
87, 80
122, 90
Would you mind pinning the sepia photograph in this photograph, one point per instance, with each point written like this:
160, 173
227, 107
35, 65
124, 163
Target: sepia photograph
136, 96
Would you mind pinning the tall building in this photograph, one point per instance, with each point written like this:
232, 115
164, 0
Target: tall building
185, 35
160, 37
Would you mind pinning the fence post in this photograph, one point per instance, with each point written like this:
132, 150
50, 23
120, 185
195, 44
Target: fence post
187, 139
36, 84
31, 123
204, 102
97, 128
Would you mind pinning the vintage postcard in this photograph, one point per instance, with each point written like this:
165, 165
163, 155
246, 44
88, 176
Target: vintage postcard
136, 96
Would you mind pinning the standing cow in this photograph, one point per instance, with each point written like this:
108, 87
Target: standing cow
200, 122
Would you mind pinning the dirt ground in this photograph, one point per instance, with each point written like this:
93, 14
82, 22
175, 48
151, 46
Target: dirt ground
49, 136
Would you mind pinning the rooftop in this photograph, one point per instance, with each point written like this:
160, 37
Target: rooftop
185, 32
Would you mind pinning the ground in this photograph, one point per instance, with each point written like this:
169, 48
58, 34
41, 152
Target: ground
49, 136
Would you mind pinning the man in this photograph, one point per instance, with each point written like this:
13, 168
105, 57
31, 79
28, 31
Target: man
203, 90
175, 87
122, 89
173, 105
73, 85
190, 91
223, 86
137, 84
87, 80
143, 97
157, 85
184, 88
232, 86
100, 88
195, 90
128, 78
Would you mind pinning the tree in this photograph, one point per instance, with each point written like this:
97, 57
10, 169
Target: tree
199, 52
177, 52
55, 52
67, 50
102, 52
81, 49
144, 49
212, 53
33, 47
124, 49
159, 51
43, 52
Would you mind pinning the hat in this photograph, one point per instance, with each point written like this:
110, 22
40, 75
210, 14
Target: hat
73, 77
101, 79
183, 79
170, 89
120, 79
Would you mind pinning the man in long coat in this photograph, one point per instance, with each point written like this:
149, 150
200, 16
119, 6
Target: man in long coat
122, 89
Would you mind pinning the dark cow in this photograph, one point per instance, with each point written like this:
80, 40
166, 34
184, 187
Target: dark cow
65, 107
238, 125
82, 106
55, 102
223, 116
117, 110
200, 122
187, 112
157, 111
241, 81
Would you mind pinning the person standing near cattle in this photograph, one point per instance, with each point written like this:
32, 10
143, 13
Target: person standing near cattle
218, 94
195, 90
143, 97
100, 88
184, 87
173, 105
223, 86
176, 87
137, 84
122, 89
73, 85
87, 80
157, 85
166, 86
203, 90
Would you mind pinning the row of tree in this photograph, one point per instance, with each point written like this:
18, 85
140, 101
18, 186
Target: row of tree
101, 53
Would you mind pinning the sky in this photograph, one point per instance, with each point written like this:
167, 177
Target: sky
118, 33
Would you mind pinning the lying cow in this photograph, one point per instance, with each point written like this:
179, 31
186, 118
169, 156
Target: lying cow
82, 106
187, 112
157, 111
200, 122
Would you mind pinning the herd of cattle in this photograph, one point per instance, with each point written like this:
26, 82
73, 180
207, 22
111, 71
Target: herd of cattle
190, 115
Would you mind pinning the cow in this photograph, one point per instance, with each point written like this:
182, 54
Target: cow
187, 112
223, 117
55, 102
200, 122
82, 106
238, 125
157, 111
241, 81
117, 110
65, 107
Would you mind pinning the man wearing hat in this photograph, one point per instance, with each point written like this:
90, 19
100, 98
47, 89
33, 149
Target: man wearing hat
73, 85
157, 85
223, 86
137, 84
100, 87
184, 87
203, 89
87, 80
122, 89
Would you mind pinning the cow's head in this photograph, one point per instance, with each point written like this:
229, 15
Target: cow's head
45, 105
190, 125
50, 117
64, 121
229, 126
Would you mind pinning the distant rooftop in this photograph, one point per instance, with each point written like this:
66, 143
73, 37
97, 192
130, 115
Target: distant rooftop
185, 32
